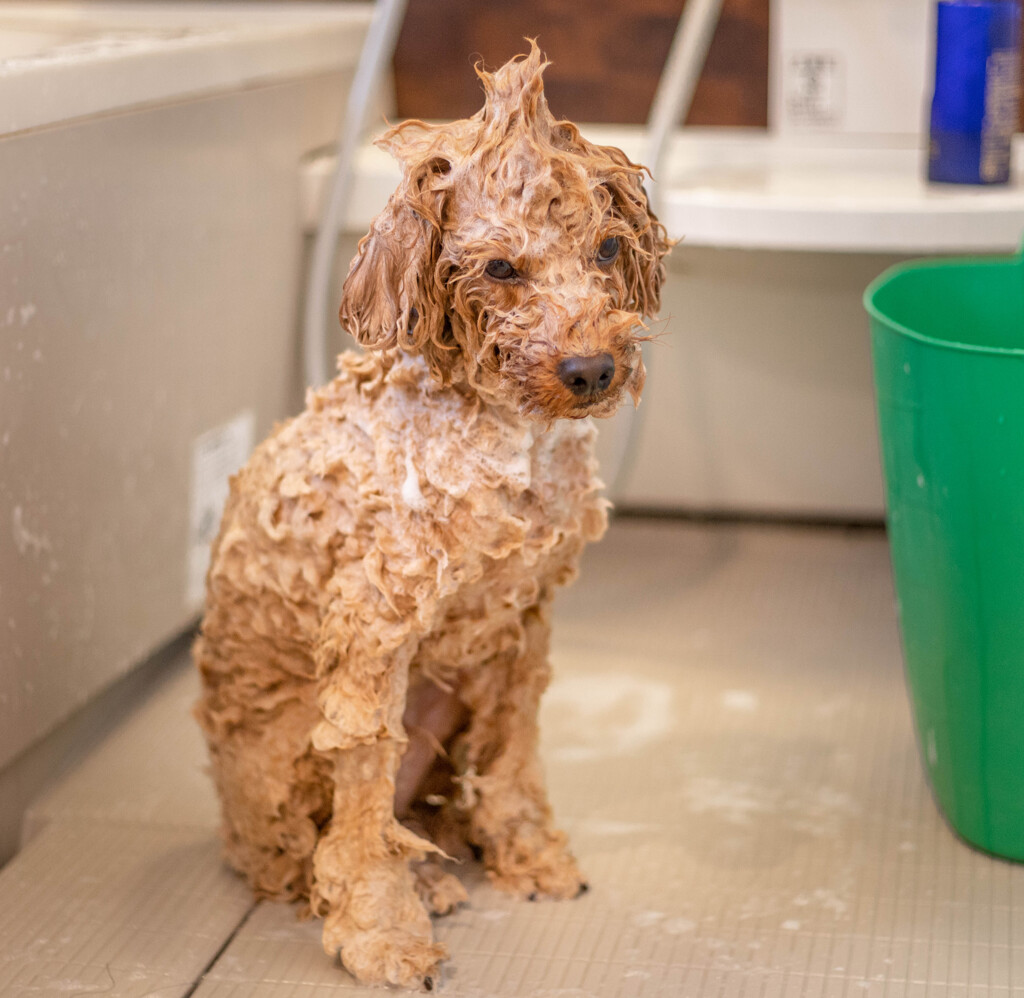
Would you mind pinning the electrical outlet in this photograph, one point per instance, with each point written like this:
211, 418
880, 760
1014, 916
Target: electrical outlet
216, 456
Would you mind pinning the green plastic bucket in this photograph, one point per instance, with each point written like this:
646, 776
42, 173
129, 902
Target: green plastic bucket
948, 346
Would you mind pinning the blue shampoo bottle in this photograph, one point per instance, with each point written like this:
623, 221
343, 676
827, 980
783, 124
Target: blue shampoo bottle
977, 91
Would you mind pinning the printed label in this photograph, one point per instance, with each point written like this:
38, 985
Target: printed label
814, 89
216, 456
1002, 98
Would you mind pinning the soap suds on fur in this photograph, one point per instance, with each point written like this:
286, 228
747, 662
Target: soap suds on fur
412, 495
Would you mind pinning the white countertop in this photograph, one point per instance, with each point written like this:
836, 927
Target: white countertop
748, 189
754, 191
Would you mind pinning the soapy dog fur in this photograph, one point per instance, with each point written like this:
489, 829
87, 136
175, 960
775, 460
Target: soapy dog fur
375, 642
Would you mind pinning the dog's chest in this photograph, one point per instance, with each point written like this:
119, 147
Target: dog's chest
467, 482
512, 545
499, 493
460, 516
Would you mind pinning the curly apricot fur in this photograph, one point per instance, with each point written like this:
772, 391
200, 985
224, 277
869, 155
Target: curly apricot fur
387, 559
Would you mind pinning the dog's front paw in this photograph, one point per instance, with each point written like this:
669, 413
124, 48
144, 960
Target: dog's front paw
533, 863
393, 956
379, 928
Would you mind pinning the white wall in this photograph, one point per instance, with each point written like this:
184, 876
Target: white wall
760, 396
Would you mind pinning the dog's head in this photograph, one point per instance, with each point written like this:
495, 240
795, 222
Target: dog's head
515, 256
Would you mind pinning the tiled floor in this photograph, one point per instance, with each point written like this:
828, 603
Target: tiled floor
728, 742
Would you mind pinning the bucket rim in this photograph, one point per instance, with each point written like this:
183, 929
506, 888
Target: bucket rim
935, 263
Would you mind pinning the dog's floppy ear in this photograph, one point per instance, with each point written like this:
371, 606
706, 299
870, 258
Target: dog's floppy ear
394, 296
642, 267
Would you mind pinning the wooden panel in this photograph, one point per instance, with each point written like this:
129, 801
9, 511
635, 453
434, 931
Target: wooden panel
606, 57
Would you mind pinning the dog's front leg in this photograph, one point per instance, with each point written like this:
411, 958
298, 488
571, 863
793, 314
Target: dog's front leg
510, 817
363, 885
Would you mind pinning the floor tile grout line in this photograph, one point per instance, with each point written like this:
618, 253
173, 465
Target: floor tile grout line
201, 976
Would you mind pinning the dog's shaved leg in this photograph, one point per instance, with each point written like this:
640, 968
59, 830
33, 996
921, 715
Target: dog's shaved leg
432, 716
363, 885
511, 819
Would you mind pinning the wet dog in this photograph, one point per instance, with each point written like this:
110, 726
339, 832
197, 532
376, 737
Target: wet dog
375, 642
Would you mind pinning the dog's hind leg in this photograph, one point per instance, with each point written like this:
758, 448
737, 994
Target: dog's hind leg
274, 799
364, 886
510, 818
274, 791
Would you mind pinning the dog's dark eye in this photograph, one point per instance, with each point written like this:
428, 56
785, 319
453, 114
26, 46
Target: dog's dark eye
608, 250
500, 270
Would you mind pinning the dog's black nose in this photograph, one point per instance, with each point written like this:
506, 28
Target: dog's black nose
587, 375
